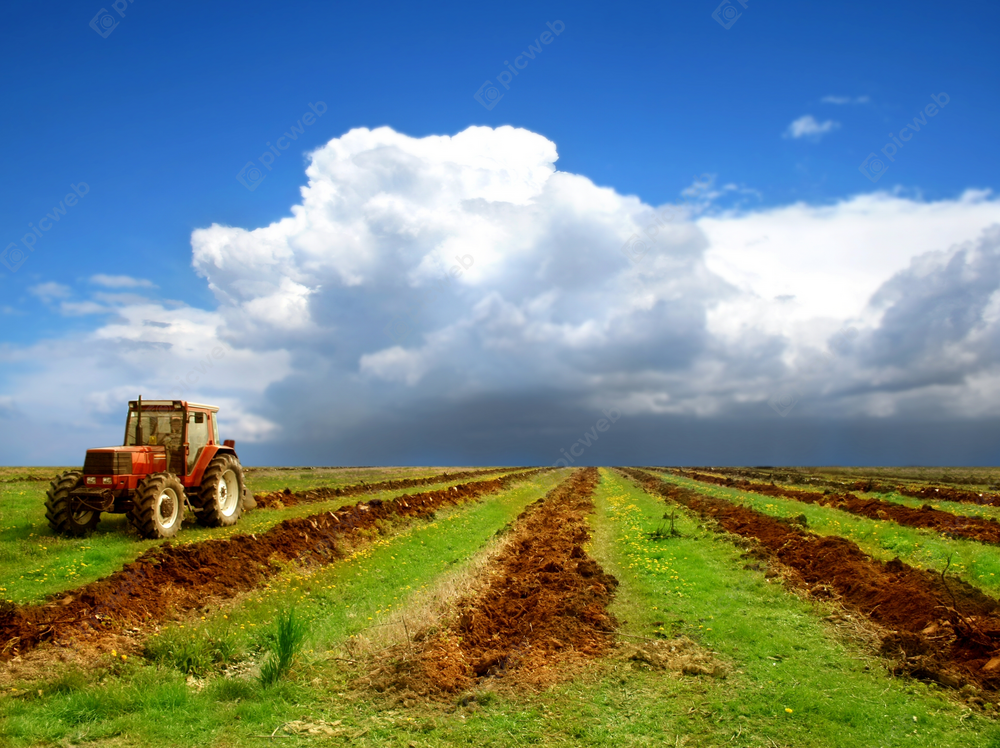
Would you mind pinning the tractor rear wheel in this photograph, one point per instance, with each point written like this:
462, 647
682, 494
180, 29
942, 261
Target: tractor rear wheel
59, 511
219, 501
158, 507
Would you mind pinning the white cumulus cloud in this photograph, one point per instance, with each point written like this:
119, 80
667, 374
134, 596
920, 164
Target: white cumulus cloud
428, 294
807, 126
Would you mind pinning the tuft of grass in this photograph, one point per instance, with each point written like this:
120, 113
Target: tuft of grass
195, 654
287, 643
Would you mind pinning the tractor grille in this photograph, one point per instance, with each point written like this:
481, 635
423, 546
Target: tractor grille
108, 463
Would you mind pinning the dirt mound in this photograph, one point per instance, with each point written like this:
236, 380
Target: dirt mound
172, 578
946, 493
543, 602
946, 523
286, 497
953, 629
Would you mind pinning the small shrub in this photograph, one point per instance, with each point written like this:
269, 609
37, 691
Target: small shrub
287, 643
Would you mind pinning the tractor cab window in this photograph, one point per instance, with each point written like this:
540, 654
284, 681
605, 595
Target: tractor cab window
197, 436
158, 429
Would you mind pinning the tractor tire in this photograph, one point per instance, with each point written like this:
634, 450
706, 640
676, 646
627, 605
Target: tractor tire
59, 507
158, 507
219, 501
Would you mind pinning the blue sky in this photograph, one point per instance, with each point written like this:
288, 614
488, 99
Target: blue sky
159, 116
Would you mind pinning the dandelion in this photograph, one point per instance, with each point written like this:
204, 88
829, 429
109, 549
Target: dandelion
788, 710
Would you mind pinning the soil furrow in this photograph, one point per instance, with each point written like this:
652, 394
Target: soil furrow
287, 497
174, 578
946, 523
940, 628
542, 602
867, 485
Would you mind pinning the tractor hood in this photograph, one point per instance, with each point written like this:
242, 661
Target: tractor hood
125, 461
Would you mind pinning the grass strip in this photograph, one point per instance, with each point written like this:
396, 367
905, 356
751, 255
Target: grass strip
266, 479
154, 705
34, 563
975, 563
797, 680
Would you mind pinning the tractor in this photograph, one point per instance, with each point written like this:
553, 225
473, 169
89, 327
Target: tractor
171, 460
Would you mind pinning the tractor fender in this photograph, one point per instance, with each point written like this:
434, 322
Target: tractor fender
210, 452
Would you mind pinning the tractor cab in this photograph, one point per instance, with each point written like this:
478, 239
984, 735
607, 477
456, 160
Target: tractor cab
179, 431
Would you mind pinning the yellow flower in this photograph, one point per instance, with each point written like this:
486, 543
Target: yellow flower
788, 710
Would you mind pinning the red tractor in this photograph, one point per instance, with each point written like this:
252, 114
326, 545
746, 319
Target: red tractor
171, 460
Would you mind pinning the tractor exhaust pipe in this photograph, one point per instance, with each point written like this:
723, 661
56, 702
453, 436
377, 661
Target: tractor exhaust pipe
138, 422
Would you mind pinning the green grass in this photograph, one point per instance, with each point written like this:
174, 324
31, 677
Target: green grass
34, 563
149, 701
976, 563
785, 656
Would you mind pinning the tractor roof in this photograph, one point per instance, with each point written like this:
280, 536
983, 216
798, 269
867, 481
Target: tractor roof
171, 404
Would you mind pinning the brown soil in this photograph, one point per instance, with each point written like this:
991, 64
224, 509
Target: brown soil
941, 493
946, 523
943, 630
543, 602
868, 485
170, 579
286, 497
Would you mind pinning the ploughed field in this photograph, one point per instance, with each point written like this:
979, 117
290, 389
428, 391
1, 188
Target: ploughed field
507, 606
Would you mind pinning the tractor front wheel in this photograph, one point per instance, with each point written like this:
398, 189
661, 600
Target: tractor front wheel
59, 510
219, 502
158, 507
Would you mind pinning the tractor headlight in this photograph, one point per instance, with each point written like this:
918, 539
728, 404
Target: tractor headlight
91, 481
107, 481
